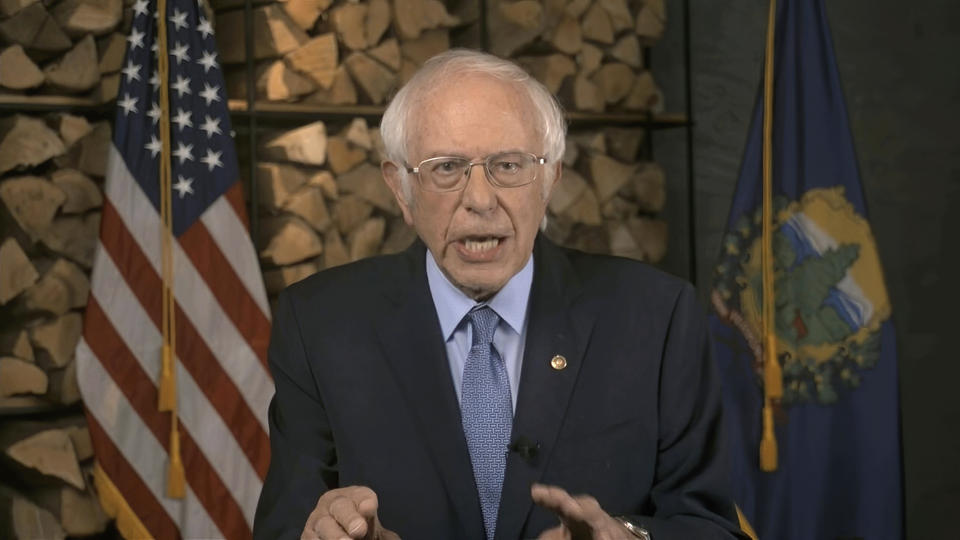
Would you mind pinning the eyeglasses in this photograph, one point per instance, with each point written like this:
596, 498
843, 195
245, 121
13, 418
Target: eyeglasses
451, 173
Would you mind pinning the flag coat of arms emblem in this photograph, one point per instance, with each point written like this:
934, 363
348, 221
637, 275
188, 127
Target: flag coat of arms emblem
810, 378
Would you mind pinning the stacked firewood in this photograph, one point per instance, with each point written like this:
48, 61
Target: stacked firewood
71, 47
324, 203
50, 174
608, 198
321, 51
587, 52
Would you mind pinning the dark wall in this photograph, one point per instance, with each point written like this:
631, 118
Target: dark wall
900, 67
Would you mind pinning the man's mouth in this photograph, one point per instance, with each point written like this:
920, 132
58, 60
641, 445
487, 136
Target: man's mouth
480, 248
479, 245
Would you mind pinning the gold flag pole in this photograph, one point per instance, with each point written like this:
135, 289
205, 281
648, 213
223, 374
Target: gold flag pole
772, 378
167, 396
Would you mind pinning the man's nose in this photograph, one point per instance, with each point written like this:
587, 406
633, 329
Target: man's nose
479, 194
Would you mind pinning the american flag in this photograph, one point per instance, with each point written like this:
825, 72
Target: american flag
221, 312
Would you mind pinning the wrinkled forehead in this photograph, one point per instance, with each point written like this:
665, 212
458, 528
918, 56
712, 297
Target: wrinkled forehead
472, 106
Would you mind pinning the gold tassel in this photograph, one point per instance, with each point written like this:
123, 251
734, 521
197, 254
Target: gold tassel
772, 374
167, 397
176, 478
768, 444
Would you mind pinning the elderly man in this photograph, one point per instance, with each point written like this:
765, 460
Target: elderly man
486, 383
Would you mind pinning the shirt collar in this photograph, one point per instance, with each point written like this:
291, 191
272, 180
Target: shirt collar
510, 303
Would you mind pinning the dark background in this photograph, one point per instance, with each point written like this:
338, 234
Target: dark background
900, 68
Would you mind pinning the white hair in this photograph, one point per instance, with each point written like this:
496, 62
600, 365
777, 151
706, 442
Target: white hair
446, 66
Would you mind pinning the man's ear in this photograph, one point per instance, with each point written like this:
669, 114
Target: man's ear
557, 176
392, 176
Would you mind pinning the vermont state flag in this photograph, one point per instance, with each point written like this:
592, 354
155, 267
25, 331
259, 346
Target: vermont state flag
830, 398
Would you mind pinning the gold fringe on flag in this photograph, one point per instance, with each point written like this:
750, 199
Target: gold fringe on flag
772, 379
115, 506
167, 395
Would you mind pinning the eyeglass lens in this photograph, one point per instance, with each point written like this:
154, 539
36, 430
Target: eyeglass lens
506, 170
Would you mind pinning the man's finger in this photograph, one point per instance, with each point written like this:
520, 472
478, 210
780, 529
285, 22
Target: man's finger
347, 514
557, 500
327, 528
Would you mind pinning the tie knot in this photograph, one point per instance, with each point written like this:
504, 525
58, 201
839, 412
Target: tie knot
484, 321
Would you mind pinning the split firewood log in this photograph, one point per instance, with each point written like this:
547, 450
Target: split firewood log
108, 88
569, 188
90, 153
585, 209
651, 21
277, 34
276, 182
624, 143
377, 22
111, 50
74, 237
411, 17
379, 151
567, 37
358, 134
84, 17
317, 59
26, 142
277, 82
308, 203
288, 239
644, 95
651, 236
82, 445
550, 70
81, 192
78, 70
609, 175
335, 253
342, 91
34, 28
305, 12
21, 377
343, 156
365, 240
587, 95
80, 512
376, 80
388, 54
367, 182
51, 453
349, 22
277, 279
11, 7
619, 12
328, 186
589, 59
429, 44
58, 337
71, 128
399, 237
619, 209
513, 25
32, 202
592, 143
596, 25
615, 80
576, 8
622, 242
351, 211
30, 521
627, 50
649, 187
17, 272
64, 388
62, 287
16, 343
306, 145
17, 70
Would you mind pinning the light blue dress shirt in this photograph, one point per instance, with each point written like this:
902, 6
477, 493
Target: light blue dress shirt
510, 303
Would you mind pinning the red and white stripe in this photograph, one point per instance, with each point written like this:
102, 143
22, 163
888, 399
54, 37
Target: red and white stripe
223, 386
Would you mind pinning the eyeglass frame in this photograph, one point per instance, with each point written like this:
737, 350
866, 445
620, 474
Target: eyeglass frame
538, 160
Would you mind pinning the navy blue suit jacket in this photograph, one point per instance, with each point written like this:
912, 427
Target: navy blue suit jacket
364, 397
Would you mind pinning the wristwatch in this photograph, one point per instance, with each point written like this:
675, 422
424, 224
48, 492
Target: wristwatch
635, 530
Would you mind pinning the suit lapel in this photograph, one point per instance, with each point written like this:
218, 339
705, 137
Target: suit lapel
556, 327
413, 345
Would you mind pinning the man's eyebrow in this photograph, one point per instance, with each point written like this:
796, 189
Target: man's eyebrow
461, 154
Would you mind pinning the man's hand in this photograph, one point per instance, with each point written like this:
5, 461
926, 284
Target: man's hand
345, 513
581, 517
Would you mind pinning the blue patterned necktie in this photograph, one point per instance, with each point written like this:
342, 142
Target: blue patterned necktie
487, 413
